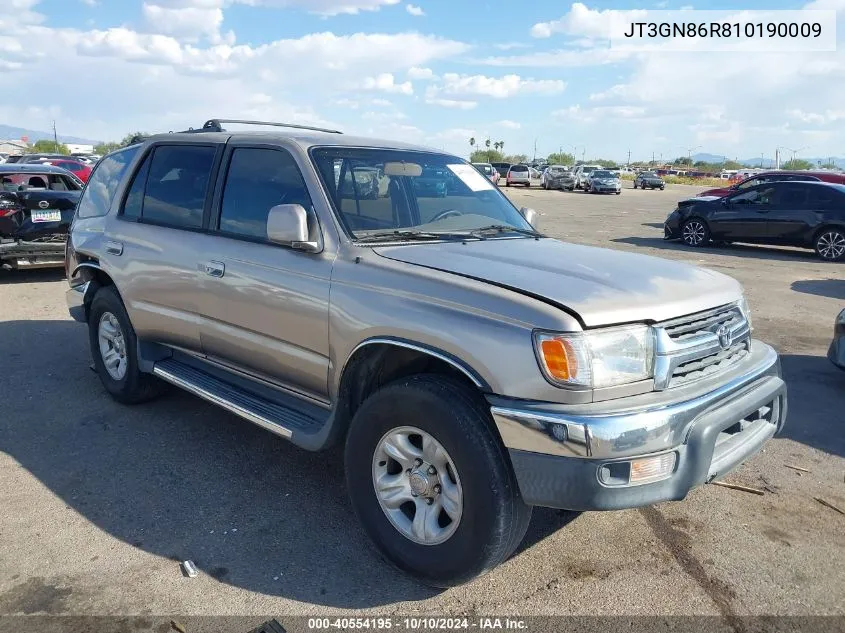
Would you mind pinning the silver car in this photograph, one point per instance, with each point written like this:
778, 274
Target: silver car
518, 175
582, 175
558, 177
603, 181
471, 366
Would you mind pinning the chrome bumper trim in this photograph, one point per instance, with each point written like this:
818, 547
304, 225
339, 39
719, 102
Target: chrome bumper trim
636, 431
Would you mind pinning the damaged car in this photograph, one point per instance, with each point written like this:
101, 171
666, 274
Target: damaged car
37, 203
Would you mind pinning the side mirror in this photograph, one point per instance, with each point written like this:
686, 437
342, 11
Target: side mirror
531, 216
288, 224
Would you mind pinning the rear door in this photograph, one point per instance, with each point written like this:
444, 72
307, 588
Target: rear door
795, 211
159, 236
744, 216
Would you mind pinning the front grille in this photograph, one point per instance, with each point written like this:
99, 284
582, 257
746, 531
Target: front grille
700, 345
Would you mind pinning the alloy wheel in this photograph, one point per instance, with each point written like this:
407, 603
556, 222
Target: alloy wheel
694, 233
417, 485
112, 345
831, 245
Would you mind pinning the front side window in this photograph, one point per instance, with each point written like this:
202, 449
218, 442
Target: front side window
257, 180
103, 183
177, 184
385, 190
763, 195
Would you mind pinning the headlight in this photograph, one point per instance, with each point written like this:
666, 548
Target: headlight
746, 311
600, 358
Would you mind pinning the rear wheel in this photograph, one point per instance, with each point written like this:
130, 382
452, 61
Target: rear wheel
635, 184
694, 232
830, 244
431, 481
114, 348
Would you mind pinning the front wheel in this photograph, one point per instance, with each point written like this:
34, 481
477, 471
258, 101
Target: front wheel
830, 244
635, 184
431, 481
694, 232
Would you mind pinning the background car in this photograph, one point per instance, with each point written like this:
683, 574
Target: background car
836, 353
582, 173
77, 168
649, 180
603, 181
558, 177
802, 214
502, 169
774, 176
431, 183
487, 169
37, 204
519, 175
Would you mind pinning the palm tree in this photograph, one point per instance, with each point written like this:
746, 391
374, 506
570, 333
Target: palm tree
502, 147
472, 142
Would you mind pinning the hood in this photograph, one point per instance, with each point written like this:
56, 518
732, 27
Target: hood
602, 286
688, 202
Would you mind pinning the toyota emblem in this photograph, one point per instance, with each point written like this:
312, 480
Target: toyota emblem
725, 336
43, 204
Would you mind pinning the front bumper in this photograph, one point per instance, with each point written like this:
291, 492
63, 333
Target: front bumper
562, 454
606, 188
836, 352
672, 227
77, 298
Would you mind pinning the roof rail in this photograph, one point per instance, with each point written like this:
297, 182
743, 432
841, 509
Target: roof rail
215, 125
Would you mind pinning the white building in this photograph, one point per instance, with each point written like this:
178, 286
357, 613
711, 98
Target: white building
76, 148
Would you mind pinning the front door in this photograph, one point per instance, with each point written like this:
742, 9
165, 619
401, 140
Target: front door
744, 216
266, 306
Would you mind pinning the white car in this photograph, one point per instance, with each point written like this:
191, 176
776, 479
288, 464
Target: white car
582, 175
519, 175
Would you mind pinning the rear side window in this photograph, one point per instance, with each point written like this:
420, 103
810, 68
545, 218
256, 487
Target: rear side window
134, 204
102, 185
822, 197
257, 180
177, 184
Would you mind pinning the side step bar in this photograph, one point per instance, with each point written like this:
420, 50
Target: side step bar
281, 420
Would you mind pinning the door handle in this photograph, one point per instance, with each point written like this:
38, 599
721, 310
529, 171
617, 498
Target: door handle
214, 269
114, 248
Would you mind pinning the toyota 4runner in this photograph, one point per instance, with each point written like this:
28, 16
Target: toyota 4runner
472, 366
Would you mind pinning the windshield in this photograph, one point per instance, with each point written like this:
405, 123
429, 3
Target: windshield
411, 192
485, 169
648, 174
557, 170
603, 173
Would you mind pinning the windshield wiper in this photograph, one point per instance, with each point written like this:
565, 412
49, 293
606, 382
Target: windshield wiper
506, 228
396, 236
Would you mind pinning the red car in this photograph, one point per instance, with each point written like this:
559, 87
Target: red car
771, 176
80, 170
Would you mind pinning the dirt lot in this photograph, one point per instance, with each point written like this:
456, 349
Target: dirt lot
99, 500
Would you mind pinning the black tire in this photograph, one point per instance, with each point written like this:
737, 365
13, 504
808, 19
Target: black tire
618, 192
507, 184
829, 244
695, 233
635, 184
494, 517
134, 387
662, 187
528, 184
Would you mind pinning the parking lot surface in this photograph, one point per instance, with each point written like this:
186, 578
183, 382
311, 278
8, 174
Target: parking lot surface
100, 501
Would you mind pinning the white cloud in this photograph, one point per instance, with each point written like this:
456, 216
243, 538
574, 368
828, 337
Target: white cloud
347, 103
373, 115
453, 103
818, 118
506, 46
188, 22
414, 10
511, 125
585, 22
497, 87
90, 3
382, 103
420, 73
386, 83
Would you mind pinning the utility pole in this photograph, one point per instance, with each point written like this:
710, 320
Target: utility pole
535, 151
55, 136
652, 158
628, 164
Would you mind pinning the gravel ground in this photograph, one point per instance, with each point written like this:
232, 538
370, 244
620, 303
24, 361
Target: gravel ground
100, 501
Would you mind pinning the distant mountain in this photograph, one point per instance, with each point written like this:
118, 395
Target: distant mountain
9, 133
766, 162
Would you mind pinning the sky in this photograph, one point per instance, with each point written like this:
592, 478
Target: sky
434, 72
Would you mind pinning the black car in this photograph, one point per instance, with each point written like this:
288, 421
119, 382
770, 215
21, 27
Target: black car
649, 180
37, 204
836, 353
803, 214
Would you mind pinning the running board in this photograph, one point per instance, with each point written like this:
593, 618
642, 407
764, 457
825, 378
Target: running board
276, 418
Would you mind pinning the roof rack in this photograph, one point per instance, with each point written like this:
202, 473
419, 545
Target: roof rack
215, 125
